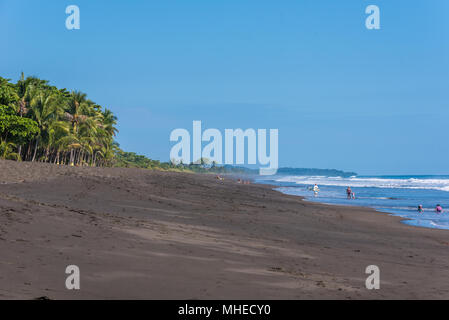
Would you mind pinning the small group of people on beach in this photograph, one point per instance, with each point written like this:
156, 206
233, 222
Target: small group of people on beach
438, 209
240, 181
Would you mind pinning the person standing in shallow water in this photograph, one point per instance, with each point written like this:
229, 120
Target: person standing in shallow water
420, 209
349, 192
439, 209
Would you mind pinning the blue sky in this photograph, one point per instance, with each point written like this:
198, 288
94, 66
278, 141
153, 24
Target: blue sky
342, 96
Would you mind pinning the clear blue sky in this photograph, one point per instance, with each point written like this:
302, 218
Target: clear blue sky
342, 96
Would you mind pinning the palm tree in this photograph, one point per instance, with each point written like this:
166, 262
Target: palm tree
72, 129
76, 114
46, 106
109, 122
6, 151
26, 89
57, 132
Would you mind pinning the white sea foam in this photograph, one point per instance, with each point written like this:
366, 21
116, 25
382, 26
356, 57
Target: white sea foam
371, 182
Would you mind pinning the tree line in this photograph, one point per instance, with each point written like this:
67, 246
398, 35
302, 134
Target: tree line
39, 122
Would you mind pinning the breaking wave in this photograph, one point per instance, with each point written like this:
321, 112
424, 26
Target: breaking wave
431, 183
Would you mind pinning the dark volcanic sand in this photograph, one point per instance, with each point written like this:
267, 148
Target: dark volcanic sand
138, 234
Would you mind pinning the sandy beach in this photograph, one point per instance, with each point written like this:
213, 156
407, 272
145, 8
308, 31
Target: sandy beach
140, 234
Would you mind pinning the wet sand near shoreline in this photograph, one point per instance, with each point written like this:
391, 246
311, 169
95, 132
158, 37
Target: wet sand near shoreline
140, 234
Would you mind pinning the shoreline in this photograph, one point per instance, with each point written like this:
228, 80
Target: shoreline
395, 218
140, 234
419, 221
361, 207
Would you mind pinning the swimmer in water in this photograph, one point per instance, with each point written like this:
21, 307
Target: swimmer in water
420, 209
439, 209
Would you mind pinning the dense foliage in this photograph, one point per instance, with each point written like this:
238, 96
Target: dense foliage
132, 160
39, 122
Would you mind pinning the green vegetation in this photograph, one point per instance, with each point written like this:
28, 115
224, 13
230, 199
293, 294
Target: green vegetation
315, 172
39, 122
132, 160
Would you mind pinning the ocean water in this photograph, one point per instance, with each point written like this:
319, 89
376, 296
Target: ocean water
398, 195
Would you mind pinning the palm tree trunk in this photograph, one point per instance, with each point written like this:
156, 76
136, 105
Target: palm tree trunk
35, 150
29, 151
47, 152
71, 158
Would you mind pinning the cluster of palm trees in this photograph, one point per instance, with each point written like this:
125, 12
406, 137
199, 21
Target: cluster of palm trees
73, 130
